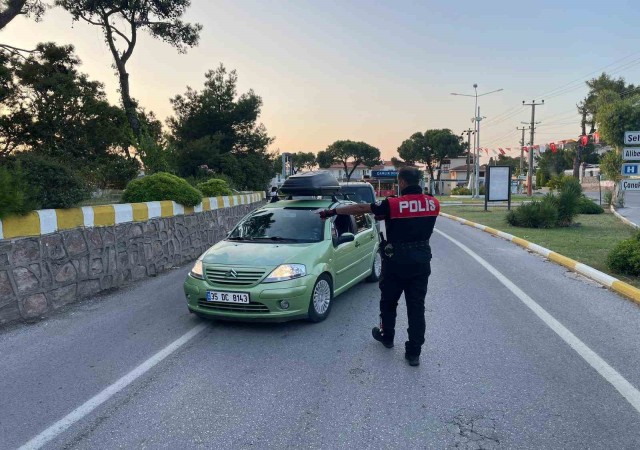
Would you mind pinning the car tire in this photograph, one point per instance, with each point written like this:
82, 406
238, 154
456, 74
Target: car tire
321, 299
376, 268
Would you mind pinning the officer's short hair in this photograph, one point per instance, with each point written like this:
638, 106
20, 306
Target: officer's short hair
411, 175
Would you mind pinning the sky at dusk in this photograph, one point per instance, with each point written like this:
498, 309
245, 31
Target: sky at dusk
378, 71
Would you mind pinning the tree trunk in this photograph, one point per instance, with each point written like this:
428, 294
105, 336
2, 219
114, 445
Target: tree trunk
11, 11
577, 161
128, 104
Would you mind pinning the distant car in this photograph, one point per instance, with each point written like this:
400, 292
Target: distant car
282, 262
359, 192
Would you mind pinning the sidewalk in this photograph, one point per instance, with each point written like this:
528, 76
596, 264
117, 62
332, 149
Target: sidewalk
631, 210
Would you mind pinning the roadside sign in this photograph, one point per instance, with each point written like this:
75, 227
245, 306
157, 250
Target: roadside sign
631, 153
384, 173
630, 185
630, 169
632, 138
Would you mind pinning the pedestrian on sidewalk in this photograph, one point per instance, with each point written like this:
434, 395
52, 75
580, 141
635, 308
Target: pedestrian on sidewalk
406, 264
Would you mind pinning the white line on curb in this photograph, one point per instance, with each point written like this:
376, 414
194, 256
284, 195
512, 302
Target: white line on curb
83, 410
626, 389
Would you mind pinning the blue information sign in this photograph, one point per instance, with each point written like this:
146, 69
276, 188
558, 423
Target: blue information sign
630, 169
384, 173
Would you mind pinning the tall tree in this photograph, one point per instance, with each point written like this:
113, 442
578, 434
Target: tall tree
303, 160
431, 148
324, 159
354, 154
218, 128
600, 88
10, 9
122, 21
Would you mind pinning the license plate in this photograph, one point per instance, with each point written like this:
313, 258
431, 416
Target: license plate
227, 297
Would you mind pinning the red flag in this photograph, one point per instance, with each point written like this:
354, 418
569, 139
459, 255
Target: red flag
526, 149
596, 137
554, 149
502, 152
584, 140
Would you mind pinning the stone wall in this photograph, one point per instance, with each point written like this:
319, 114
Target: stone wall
40, 274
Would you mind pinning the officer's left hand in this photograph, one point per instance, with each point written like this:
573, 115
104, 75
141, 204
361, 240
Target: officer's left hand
326, 213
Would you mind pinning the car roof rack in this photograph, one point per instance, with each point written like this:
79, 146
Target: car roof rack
315, 183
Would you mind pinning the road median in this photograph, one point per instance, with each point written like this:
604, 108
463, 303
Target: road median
616, 285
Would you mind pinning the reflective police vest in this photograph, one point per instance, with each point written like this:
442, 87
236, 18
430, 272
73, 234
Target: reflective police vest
412, 206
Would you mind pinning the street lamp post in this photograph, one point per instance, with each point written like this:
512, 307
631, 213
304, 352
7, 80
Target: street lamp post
476, 140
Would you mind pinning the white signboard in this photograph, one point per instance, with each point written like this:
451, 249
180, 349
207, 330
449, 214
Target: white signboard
632, 138
499, 183
630, 185
631, 153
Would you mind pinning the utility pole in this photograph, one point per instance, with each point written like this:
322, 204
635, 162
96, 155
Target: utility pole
468, 132
523, 129
477, 161
533, 105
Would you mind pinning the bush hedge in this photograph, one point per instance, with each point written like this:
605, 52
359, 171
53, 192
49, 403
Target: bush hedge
536, 214
214, 187
625, 257
50, 183
553, 210
14, 197
586, 206
460, 190
162, 186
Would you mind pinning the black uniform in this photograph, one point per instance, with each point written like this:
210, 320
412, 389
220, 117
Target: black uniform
406, 264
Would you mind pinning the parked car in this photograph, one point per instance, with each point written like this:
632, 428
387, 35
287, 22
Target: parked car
282, 262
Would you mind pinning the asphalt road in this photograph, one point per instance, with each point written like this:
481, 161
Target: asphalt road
496, 373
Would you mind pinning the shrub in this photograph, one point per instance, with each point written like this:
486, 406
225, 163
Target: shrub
608, 197
482, 190
162, 186
460, 190
50, 184
13, 192
568, 200
586, 206
625, 256
214, 188
536, 214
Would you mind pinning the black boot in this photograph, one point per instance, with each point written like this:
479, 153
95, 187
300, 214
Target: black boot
379, 336
414, 360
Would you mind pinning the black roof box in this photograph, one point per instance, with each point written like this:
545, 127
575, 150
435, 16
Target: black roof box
318, 182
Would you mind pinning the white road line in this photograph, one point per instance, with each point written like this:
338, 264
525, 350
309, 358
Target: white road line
83, 410
625, 388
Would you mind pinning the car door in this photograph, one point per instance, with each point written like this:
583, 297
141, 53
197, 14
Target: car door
365, 241
346, 260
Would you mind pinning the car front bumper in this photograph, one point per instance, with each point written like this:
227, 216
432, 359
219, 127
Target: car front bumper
265, 300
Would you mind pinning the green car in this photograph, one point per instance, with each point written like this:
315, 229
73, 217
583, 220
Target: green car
282, 262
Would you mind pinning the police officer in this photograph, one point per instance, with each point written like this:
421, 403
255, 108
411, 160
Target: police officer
406, 264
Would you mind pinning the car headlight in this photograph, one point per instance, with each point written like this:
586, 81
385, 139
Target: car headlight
196, 271
286, 272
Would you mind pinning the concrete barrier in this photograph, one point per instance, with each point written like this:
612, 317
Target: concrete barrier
56, 257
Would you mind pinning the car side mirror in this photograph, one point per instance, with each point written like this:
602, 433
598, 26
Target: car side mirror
344, 238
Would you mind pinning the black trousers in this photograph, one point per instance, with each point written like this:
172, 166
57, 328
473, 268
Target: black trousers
413, 281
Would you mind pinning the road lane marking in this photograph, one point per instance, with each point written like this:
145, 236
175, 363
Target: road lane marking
86, 408
626, 389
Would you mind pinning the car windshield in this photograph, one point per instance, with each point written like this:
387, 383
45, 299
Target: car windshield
280, 224
359, 194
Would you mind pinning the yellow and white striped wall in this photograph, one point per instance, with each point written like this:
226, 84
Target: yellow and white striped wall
47, 221
608, 281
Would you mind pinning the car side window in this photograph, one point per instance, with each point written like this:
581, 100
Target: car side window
362, 223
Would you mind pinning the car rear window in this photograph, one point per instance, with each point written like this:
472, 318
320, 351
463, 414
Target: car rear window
280, 224
359, 194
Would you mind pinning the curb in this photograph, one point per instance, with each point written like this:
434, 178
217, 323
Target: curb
607, 281
622, 218
45, 221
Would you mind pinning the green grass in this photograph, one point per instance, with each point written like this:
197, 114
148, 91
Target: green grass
514, 198
589, 243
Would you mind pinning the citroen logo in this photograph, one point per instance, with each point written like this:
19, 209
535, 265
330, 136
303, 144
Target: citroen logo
232, 274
